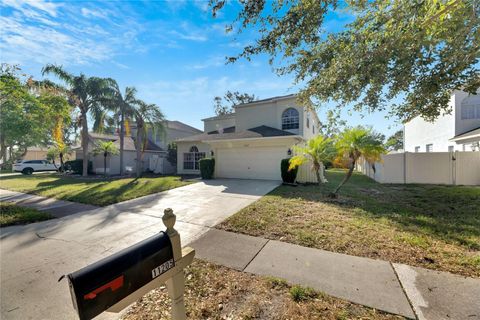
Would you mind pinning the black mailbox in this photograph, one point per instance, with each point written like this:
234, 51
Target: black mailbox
99, 286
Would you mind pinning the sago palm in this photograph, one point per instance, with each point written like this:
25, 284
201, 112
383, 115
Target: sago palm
317, 150
147, 116
106, 148
354, 143
84, 93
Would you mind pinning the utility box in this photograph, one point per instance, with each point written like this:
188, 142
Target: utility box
101, 285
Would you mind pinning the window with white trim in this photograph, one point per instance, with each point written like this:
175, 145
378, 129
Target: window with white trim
429, 147
470, 108
191, 159
290, 119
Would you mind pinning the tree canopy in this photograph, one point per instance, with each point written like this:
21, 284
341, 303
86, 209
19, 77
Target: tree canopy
230, 99
395, 141
403, 54
28, 117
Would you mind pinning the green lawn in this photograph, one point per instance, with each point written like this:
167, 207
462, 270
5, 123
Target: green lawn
11, 214
91, 191
431, 226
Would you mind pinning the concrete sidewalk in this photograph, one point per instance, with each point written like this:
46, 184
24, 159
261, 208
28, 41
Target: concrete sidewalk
34, 256
395, 288
57, 208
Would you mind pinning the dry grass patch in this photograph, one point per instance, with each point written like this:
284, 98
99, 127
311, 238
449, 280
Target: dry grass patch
216, 292
436, 227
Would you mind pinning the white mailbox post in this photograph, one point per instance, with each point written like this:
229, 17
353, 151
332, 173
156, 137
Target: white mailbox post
115, 282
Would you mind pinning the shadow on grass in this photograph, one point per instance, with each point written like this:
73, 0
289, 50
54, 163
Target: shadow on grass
448, 213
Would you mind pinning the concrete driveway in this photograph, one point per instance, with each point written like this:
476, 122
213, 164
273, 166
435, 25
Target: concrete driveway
35, 256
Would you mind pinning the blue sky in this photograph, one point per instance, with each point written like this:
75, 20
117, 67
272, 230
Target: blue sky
172, 51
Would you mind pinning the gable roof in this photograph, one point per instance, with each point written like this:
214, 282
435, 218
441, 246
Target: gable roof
257, 132
178, 125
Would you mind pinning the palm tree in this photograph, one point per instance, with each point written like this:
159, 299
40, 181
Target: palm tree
107, 148
354, 143
147, 116
123, 106
317, 150
84, 93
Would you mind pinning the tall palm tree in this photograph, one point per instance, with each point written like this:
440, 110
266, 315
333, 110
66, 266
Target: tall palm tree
317, 150
147, 116
84, 93
106, 148
123, 105
354, 143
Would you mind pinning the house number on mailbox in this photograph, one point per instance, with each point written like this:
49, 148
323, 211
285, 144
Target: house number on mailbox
162, 268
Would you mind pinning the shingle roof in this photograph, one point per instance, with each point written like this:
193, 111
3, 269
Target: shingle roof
471, 133
222, 116
226, 130
178, 125
257, 132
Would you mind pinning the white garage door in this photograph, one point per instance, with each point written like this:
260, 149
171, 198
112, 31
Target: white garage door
250, 163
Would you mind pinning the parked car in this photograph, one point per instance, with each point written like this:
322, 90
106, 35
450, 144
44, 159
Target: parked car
30, 166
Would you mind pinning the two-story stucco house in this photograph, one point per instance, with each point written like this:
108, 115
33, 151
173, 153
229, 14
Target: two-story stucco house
457, 131
249, 143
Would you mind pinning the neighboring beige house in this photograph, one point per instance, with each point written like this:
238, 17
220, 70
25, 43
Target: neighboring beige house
40, 153
457, 131
113, 161
249, 143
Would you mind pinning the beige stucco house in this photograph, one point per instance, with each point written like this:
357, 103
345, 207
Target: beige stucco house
249, 143
154, 158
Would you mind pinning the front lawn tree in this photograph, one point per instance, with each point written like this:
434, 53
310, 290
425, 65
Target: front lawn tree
147, 117
106, 148
27, 116
414, 53
356, 143
84, 93
317, 151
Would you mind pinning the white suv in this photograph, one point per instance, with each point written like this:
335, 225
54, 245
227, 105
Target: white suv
29, 166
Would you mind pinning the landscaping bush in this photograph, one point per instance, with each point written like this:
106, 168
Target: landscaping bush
77, 166
207, 168
288, 176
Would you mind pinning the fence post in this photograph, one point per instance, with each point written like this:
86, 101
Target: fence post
176, 284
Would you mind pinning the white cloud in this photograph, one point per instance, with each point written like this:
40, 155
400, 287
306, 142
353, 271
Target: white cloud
193, 36
93, 13
216, 61
44, 32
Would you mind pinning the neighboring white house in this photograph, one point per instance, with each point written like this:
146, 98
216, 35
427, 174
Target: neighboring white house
457, 131
250, 142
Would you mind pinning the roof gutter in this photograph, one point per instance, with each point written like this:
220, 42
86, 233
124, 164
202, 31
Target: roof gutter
465, 137
296, 137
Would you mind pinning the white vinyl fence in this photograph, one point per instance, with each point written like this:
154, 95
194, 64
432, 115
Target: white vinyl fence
452, 168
